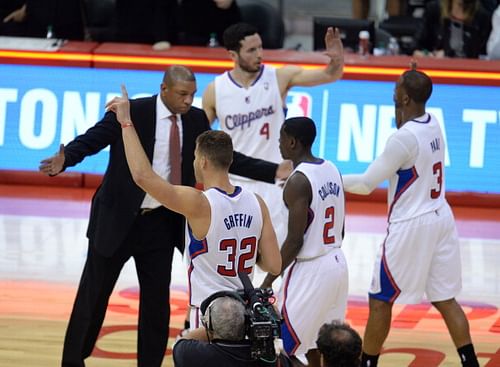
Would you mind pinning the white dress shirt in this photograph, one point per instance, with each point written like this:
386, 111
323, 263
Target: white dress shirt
161, 161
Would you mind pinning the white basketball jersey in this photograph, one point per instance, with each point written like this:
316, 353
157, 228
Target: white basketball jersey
251, 116
229, 247
326, 212
420, 189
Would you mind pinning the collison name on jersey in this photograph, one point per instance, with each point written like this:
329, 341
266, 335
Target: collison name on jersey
329, 188
242, 119
238, 220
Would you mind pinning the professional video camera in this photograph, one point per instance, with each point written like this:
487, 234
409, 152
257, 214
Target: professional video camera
263, 324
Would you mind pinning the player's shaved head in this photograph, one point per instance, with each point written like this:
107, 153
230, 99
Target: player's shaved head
302, 129
417, 85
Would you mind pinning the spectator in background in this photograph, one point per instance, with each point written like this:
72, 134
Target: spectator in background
339, 345
9, 6
490, 5
454, 28
493, 46
33, 18
147, 21
200, 18
11, 13
394, 8
361, 8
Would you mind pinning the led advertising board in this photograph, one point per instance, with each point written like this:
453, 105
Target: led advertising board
43, 106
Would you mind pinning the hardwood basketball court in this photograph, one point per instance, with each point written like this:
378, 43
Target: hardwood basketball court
43, 248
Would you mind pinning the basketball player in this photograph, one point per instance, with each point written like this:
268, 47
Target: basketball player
229, 228
249, 103
421, 252
314, 289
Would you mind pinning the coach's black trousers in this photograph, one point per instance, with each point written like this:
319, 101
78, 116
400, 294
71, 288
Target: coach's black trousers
152, 250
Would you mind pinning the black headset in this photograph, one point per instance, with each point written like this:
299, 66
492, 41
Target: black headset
207, 304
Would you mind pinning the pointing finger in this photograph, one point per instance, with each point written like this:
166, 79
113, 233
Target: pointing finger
124, 92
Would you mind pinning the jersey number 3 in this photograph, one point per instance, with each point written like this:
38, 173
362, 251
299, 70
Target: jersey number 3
437, 170
235, 265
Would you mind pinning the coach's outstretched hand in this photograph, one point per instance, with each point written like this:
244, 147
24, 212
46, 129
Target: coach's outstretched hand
53, 165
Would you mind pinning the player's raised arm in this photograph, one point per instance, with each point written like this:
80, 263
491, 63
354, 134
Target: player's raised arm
182, 199
269, 258
292, 75
208, 102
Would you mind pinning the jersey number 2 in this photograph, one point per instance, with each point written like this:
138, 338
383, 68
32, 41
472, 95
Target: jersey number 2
230, 246
329, 224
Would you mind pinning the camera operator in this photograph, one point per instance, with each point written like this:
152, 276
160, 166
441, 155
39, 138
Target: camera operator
339, 345
221, 341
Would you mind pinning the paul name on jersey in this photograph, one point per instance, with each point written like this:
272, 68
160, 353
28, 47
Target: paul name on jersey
435, 145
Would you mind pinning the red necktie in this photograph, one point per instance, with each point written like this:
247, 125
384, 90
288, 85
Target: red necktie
175, 152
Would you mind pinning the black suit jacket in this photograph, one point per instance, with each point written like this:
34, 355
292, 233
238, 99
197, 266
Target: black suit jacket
117, 201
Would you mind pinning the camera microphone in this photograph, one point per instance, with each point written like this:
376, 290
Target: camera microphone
255, 301
263, 324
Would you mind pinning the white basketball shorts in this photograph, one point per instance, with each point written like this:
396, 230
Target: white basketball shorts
419, 256
313, 292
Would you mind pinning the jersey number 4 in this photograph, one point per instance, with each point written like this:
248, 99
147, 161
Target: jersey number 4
264, 130
235, 265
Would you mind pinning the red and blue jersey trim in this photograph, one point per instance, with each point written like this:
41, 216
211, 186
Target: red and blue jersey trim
196, 247
190, 270
426, 121
406, 178
261, 71
389, 290
237, 191
290, 339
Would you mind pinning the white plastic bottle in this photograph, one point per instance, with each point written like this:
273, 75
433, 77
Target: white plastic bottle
212, 41
393, 46
50, 33
364, 43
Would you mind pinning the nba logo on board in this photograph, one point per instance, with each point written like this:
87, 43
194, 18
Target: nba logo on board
298, 104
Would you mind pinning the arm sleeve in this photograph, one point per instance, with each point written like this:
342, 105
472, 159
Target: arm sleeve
399, 152
256, 169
